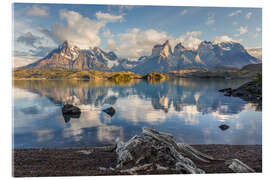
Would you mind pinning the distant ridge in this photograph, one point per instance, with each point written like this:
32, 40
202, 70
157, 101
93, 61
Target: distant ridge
163, 58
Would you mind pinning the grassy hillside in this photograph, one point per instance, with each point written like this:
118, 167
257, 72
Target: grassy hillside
249, 71
71, 74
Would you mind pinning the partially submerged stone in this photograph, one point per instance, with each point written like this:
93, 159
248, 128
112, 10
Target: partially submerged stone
70, 111
110, 111
224, 127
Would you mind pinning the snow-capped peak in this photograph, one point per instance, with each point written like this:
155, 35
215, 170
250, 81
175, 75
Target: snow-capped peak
216, 42
69, 51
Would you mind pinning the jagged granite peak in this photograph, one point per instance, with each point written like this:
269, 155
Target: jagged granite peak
179, 46
178, 49
224, 53
64, 45
112, 55
98, 50
207, 55
205, 45
69, 56
68, 50
142, 58
163, 50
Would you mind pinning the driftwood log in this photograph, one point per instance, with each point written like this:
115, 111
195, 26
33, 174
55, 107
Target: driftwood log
159, 151
238, 166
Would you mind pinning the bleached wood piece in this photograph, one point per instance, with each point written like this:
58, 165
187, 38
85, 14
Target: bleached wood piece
238, 166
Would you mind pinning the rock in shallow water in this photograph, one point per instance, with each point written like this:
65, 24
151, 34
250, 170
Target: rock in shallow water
70, 111
110, 111
224, 127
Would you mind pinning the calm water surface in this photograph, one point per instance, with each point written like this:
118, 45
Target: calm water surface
190, 109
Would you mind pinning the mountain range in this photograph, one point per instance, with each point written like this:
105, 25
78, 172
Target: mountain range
162, 59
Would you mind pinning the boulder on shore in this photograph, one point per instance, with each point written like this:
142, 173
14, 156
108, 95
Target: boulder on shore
250, 92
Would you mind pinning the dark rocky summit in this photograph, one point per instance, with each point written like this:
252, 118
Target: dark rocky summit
208, 55
163, 58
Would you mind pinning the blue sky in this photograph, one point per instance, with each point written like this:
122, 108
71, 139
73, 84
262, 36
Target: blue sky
130, 31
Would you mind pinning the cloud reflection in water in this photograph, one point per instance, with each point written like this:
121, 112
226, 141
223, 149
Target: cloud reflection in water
192, 110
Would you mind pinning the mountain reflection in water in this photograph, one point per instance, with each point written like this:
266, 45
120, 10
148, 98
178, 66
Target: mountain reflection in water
190, 109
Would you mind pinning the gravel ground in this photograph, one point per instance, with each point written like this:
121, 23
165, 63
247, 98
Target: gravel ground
93, 161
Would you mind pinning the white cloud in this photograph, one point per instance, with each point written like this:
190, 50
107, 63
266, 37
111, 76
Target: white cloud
135, 42
38, 11
111, 45
29, 39
235, 23
190, 39
120, 8
185, 11
225, 38
139, 111
125, 7
258, 29
109, 133
79, 30
107, 33
194, 33
248, 15
242, 30
44, 135
19, 61
255, 35
210, 19
107, 17
235, 13
25, 46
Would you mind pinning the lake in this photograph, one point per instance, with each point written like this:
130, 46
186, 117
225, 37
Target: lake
190, 109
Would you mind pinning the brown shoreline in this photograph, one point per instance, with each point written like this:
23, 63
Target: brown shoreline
73, 162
